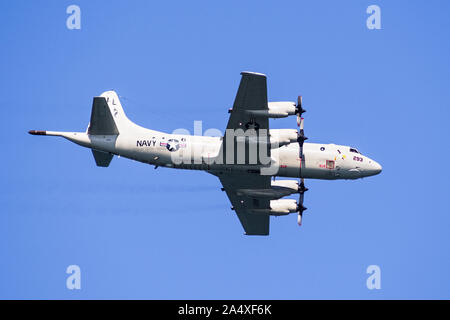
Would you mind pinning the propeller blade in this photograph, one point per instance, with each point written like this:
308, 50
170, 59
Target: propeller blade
301, 138
299, 108
301, 186
300, 208
301, 133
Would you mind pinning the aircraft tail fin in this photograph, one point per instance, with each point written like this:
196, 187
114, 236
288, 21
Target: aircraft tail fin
107, 116
102, 121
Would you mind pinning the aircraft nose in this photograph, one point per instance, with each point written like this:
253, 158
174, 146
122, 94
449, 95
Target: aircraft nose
376, 168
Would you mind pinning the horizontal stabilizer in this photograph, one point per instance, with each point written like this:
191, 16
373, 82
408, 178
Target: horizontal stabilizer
102, 159
102, 122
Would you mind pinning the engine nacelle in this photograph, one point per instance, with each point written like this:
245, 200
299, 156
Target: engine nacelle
279, 189
288, 185
280, 207
281, 109
278, 138
281, 137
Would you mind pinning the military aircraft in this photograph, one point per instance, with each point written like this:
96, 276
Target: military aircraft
245, 158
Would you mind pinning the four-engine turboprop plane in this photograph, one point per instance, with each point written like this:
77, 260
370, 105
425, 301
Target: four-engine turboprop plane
244, 159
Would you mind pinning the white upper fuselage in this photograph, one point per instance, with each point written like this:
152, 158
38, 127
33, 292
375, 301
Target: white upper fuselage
321, 161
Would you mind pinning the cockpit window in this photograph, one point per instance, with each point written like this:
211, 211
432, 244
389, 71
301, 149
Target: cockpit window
354, 150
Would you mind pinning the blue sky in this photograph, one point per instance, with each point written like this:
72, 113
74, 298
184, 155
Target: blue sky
142, 233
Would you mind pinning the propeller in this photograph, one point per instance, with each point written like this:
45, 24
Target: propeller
300, 208
301, 133
300, 139
299, 110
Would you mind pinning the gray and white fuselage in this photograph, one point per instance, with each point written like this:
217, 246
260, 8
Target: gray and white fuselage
321, 161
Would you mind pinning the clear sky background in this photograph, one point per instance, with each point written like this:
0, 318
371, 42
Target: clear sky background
141, 233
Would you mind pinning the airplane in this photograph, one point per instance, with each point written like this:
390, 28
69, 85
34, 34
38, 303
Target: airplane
245, 159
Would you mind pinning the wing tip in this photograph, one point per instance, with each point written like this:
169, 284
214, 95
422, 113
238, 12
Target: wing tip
253, 74
256, 233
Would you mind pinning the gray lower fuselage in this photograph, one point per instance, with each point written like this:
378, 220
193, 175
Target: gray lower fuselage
321, 161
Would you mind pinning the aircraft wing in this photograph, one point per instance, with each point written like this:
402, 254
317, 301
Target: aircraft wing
253, 223
251, 95
247, 118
